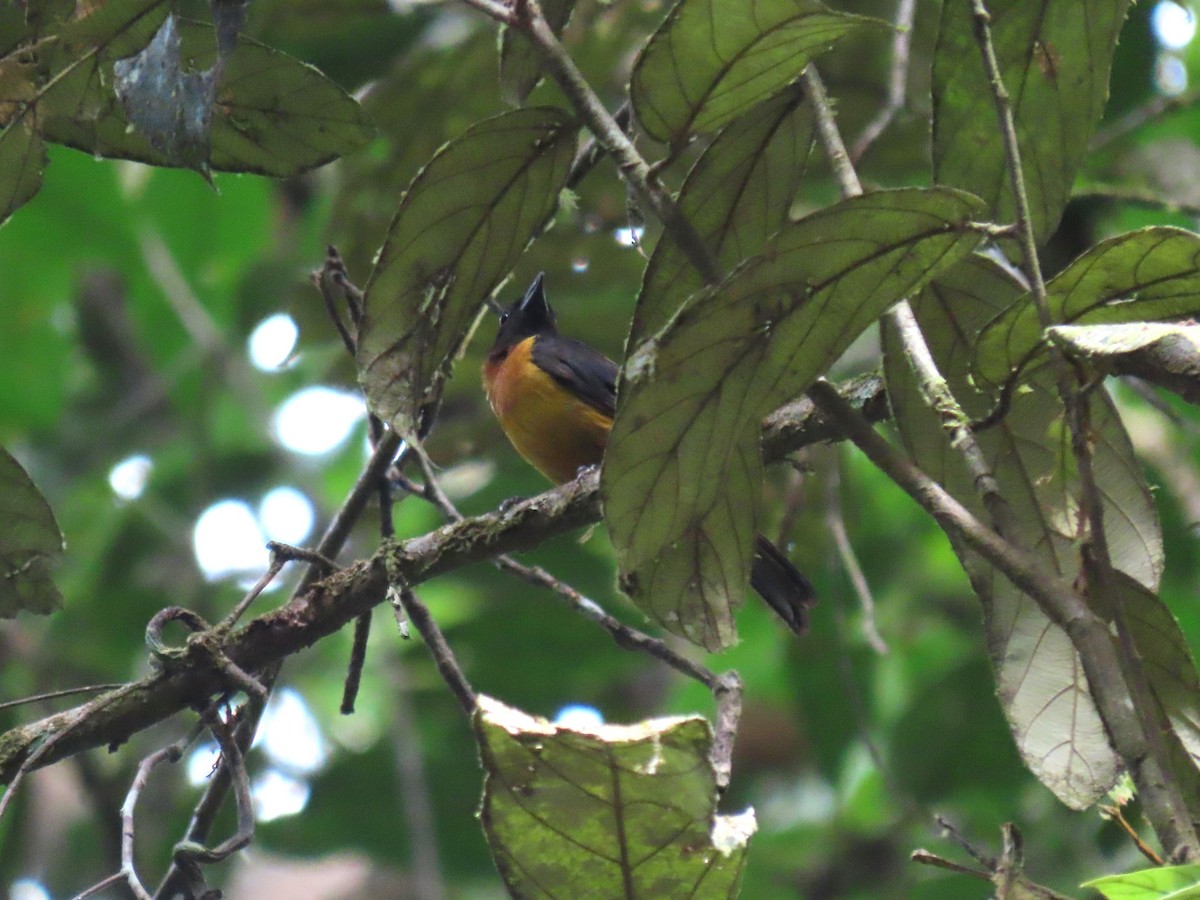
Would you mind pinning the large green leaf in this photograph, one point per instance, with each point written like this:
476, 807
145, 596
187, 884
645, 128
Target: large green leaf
1146, 275
270, 114
621, 811
1039, 677
682, 472
1055, 57
29, 540
736, 195
711, 60
461, 226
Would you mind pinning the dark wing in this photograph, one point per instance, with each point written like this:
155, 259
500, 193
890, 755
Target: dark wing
584, 371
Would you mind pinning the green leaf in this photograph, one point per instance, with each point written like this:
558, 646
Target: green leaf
1039, 677
1163, 883
520, 61
22, 161
461, 226
1146, 275
682, 471
736, 195
1054, 57
29, 541
621, 811
1171, 671
713, 59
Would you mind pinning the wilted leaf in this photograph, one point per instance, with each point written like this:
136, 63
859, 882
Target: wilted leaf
273, 114
1167, 354
736, 195
1040, 680
711, 60
461, 226
1139, 276
1163, 883
520, 62
1055, 57
29, 540
171, 106
618, 811
682, 472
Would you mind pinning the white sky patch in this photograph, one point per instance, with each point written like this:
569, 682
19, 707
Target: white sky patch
227, 540
317, 420
286, 515
1170, 74
200, 763
290, 736
1174, 25
578, 717
128, 477
276, 795
27, 889
730, 833
272, 342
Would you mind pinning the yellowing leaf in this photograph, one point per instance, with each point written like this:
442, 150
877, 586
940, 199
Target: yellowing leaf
615, 811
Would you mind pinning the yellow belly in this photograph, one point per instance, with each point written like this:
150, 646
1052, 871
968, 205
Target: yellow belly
555, 432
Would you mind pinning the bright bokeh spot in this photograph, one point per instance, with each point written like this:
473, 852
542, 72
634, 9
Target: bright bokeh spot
27, 889
227, 540
1174, 25
579, 717
317, 420
286, 515
276, 795
201, 763
1170, 75
272, 342
290, 736
128, 477
629, 236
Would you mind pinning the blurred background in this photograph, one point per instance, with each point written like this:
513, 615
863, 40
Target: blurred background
171, 382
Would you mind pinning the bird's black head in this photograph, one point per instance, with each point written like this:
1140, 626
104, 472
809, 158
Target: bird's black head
528, 316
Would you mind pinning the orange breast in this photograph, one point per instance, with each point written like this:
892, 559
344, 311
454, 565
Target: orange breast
556, 433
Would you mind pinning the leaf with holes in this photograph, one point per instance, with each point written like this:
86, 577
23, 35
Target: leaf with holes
1040, 680
711, 60
1054, 57
736, 195
461, 226
682, 472
614, 811
29, 542
1147, 275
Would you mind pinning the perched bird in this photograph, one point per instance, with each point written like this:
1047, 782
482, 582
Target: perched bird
556, 397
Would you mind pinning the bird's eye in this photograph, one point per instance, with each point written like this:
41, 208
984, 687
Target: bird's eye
503, 318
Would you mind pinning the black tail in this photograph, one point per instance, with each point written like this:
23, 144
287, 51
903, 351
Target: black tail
782, 585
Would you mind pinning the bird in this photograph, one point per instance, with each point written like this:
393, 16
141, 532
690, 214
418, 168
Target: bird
555, 398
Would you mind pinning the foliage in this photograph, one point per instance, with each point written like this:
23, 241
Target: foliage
465, 164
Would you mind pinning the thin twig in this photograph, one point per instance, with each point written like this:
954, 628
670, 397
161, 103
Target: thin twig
897, 79
836, 523
633, 168
1134, 119
443, 656
54, 695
